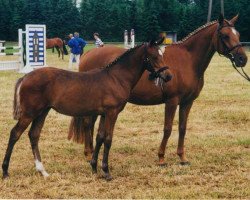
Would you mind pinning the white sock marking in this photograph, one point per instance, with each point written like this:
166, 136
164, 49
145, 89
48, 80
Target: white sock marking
40, 168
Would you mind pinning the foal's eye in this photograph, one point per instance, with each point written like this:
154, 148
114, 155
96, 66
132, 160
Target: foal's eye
225, 37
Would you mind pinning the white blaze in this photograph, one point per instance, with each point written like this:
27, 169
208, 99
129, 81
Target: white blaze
161, 50
234, 31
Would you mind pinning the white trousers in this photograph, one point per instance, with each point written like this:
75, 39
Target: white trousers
76, 57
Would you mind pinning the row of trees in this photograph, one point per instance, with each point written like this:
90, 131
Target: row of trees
111, 17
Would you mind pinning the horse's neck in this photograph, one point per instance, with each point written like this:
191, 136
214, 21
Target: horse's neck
130, 69
201, 49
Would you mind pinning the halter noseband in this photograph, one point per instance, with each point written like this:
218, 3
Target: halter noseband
227, 51
153, 74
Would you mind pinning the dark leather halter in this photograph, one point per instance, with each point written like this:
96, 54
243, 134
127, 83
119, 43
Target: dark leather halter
154, 74
227, 52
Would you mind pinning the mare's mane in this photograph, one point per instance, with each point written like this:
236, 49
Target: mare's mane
195, 32
124, 55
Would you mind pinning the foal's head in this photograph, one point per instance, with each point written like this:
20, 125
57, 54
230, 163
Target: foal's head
227, 41
154, 60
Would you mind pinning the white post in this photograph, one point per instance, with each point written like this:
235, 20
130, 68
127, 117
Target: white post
20, 45
132, 37
125, 39
35, 51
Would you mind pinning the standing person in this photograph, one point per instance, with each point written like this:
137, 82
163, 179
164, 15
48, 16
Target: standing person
98, 41
75, 51
81, 42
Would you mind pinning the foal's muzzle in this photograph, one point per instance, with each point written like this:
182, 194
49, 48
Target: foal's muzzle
160, 74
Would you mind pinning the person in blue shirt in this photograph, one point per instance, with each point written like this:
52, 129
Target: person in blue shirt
75, 51
82, 42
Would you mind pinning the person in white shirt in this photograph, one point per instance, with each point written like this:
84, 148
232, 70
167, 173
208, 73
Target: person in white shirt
98, 41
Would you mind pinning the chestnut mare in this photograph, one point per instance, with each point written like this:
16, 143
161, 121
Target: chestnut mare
58, 44
188, 60
102, 91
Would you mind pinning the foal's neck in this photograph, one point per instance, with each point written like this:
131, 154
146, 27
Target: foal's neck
201, 48
129, 70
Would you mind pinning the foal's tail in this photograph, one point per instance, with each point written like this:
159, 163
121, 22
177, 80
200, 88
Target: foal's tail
65, 51
76, 130
16, 104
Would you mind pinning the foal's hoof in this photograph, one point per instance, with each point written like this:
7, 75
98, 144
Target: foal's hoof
93, 166
5, 176
107, 177
185, 163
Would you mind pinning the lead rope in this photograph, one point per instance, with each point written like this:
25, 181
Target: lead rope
245, 76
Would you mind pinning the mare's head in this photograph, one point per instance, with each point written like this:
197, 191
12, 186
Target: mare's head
227, 41
154, 61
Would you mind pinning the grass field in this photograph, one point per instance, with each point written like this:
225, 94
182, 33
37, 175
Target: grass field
217, 144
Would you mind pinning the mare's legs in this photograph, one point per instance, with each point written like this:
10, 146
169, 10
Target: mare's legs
88, 128
15, 134
53, 49
170, 110
34, 135
99, 140
183, 116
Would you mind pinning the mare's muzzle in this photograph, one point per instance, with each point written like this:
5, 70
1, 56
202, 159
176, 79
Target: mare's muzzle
240, 60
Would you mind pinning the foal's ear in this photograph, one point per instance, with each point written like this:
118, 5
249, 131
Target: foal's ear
152, 43
160, 41
234, 19
156, 42
221, 19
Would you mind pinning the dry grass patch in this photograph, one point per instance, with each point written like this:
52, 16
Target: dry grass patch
217, 144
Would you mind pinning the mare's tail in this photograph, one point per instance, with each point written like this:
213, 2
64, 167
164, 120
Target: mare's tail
65, 51
16, 104
76, 130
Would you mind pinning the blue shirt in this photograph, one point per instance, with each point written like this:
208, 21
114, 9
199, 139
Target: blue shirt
74, 45
81, 42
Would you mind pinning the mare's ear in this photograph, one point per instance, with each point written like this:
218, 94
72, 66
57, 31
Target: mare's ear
234, 19
221, 19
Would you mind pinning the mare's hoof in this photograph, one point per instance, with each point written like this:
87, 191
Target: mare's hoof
107, 177
88, 158
185, 163
162, 164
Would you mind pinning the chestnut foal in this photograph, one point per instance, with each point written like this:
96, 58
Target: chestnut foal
102, 92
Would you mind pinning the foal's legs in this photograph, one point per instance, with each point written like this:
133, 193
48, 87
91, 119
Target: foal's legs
183, 116
109, 128
34, 135
99, 140
15, 134
170, 110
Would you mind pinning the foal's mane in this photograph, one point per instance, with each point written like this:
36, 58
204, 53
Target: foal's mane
195, 32
119, 58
